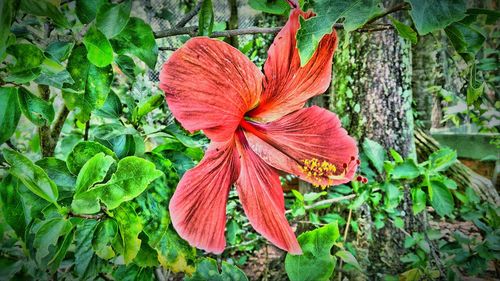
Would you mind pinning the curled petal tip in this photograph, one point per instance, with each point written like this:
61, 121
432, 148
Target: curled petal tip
293, 3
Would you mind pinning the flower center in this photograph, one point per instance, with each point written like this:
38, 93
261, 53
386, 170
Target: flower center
323, 173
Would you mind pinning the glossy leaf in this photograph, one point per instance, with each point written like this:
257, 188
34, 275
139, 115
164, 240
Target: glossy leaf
130, 225
206, 18
207, 269
111, 19
148, 106
56, 80
375, 153
28, 59
132, 177
429, 15
86, 10
10, 112
94, 171
44, 8
37, 110
99, 50
355, 13
277, 7
57, 171
125, 141
405, 31
12, 207
442, 159
441, 198
112, 107
316, 262
6, 15
105, 233
59, 50
137, 39
406, 170
31, 175
82, 152
127, 66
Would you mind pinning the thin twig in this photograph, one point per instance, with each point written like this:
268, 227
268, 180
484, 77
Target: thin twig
172, 49
58, 125
326, 202
393, 9
345, 238
189, 15
86, 133
11, 145
93, 217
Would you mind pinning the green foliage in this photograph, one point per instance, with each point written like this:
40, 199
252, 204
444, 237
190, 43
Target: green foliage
206, 18
86, 10
6, 13
44, 8
10, 112
11, 205
316, 262
277, 7
404, 30
207, 269
99, 50
82, 152
111, 19
37, 110
430, 16
375, 152
28, 59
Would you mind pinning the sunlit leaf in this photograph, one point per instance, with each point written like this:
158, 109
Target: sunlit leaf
57, 171
99, 50
94, 171
130, 225
82, 152
105, 233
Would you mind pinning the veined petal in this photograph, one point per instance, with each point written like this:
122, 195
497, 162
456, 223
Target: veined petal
198, 206
259, 189
303, 142
287, 85
209, 85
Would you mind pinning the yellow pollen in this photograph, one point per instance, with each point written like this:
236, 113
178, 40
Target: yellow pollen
320, 173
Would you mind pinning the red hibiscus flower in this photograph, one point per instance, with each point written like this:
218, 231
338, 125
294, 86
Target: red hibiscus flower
258, 127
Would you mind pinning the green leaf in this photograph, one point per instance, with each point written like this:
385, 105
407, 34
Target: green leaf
33, 177
130, 225
27, 65
127, 66
125, 141
60, 254
133, 272
419, 200
375, 153
355, 13
311, 196
132, 177
57, 170
48, 235
12, 207
10, 112
37, 110
206, 18
316, 263
6, 14
406, 170
137, 39
466, 39
105, 233
94, 171
111, 19
207, 269
86, 10
442, 159
56, 80
59, 50
44, 8
277, 7
112, 107
441, 198
146, 107
99, 50
348, 258
91, 87
404, 30
430, 15
82, 152
83, 247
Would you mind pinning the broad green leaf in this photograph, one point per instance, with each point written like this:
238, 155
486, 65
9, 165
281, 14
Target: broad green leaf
316, 263
375, 153
348, 258
44, 8
125, 141
355, 13
91, 87
57, 170
10, 112
207, 269
37, 110
105, 233
127, 66
12, 208
130, 225
99, 50
82, 152
112, 107
430, 15
86, 10
146, 107
6, 14
466, 39
83, 247
60, 254
94, 171
206, 18
404, 30
31, 175
311, 196
146, 257
406, 170
442, 159
10, 267
59, 50
392, 196
111, 19
28, 59
133, 272
137, 39
48, 235
54, 79
396, 156
492, 15
419, 200
132, 177
440, 198
277, 7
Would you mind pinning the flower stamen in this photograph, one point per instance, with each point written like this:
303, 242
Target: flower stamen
323, 173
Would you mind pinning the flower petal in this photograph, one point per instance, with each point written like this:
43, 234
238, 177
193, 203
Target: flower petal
307, 134
198, 206
288, 86
259, 189
209, 85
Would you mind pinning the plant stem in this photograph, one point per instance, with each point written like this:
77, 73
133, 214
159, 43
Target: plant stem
189, 15
345, 237
86, 133
44, 131
58, 125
